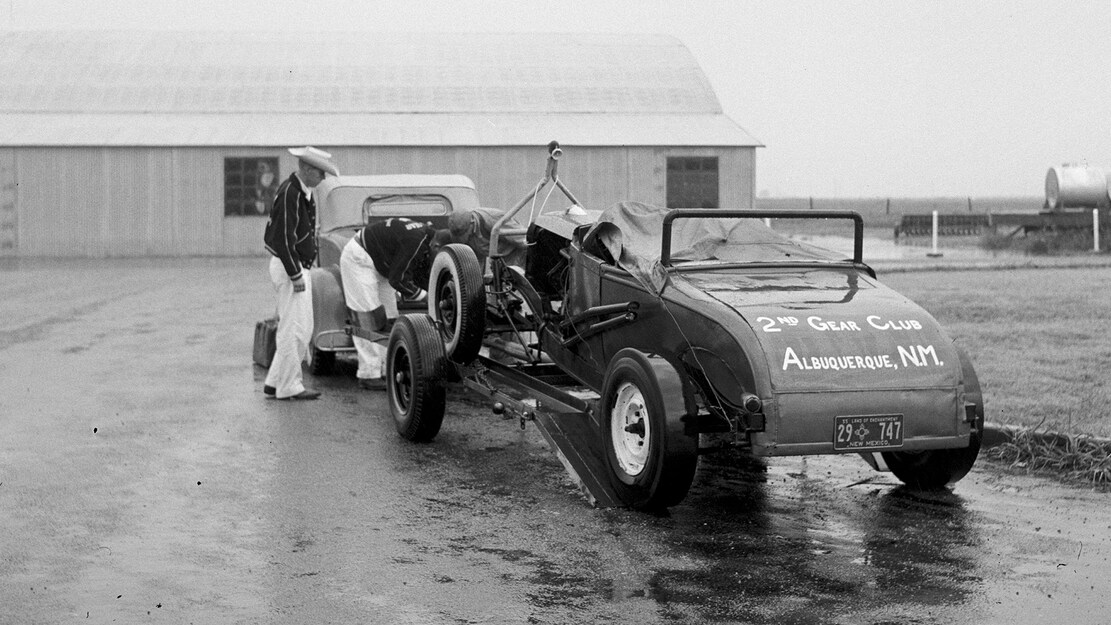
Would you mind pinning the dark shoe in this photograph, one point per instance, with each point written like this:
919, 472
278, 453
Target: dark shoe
372, 384
269, 390
305, 394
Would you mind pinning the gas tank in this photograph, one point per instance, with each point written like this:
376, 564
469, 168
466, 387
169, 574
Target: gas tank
1075, 186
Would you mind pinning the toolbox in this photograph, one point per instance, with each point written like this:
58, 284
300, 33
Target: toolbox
266, 332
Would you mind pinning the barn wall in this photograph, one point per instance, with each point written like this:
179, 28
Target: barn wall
9, 215
597, 176
99, 202
736, 174
61, 201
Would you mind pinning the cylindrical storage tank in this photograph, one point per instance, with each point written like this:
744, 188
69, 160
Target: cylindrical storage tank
1071, 186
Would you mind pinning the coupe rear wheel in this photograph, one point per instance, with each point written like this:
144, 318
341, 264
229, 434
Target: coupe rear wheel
650, 456
415, 369
457, 301
321, 362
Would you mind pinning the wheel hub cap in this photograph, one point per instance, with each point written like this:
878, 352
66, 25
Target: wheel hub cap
630, 430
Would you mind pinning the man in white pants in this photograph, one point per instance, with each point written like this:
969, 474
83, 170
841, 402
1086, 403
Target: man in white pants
380, 261
290, 238
366, 291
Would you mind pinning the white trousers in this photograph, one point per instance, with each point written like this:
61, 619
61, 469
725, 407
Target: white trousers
294, 331
364, 289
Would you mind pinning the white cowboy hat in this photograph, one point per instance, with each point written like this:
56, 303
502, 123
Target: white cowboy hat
315, 157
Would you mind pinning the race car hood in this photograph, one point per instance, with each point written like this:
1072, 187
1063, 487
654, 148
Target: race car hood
833, 329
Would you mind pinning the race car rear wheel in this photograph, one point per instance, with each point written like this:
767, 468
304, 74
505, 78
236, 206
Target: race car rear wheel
415, 369
651, 458
457, 301
937, 468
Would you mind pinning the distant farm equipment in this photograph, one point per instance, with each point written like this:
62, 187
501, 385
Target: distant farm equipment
948, 224
1076, 199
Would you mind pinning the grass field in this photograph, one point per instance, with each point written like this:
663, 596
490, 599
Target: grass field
1040, 340
886, 212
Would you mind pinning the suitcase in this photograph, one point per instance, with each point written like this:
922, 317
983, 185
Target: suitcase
266, 333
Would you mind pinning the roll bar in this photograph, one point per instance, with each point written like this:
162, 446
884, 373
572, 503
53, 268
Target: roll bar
717, 213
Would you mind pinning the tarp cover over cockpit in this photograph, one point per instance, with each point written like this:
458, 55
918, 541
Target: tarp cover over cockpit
632, 233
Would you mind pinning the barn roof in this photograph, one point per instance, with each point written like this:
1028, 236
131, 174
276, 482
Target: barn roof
262, 89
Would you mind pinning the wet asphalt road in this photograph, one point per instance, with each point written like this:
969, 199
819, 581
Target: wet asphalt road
145, 478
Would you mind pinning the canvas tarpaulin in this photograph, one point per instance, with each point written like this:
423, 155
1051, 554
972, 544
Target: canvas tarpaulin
632, 233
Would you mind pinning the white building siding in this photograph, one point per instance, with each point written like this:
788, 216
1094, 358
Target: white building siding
101, 202
9, 215
113, 142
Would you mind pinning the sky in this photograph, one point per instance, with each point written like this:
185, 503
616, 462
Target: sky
861, 98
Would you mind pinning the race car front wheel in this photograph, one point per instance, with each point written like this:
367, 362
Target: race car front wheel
651, 458
415, 369
457, 301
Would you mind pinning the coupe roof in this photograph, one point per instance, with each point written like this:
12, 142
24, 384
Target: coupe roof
344, 201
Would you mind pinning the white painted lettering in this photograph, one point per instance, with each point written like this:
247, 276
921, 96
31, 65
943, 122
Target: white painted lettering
916, 355
769, 324
879, 323
909, 356
928, 351
791, 358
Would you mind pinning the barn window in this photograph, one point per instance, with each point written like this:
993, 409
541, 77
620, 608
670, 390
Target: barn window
249, 185
692, 182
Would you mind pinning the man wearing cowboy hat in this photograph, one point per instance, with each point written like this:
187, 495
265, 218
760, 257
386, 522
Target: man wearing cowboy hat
290, 237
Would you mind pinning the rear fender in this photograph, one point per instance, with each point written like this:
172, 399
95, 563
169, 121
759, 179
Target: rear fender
675, 388
727, 379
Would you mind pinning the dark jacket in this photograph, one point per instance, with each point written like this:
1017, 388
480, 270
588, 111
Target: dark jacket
399, 249
290, 231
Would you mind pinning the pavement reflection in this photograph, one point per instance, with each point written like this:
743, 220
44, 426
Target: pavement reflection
925, 542
768, 542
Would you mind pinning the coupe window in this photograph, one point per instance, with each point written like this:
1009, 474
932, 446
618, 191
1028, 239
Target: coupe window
399, 205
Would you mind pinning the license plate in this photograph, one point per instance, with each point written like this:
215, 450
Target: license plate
861, 432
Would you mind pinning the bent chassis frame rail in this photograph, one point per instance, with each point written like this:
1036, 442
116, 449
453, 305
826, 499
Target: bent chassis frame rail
562, 418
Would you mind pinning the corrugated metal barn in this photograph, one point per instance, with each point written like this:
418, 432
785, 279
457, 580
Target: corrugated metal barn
168, 143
